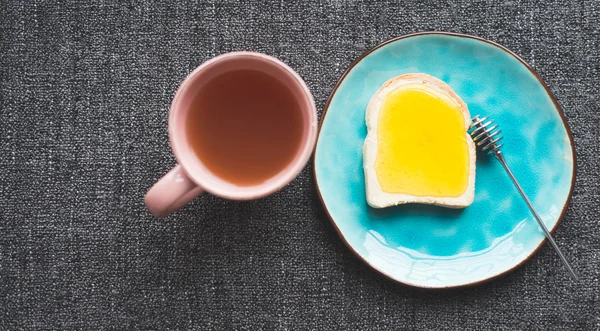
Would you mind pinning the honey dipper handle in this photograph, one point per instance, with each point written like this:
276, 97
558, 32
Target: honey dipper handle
500, 158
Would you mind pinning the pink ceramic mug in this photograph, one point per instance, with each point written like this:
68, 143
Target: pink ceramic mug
190, 178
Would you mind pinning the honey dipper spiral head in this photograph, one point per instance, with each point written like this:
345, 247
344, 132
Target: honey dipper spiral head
486, 134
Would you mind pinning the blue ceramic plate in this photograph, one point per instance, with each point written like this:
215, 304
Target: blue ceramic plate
434, 247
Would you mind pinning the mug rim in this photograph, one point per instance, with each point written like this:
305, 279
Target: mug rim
193, 165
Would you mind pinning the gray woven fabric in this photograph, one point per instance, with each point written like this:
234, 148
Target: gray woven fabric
84, 96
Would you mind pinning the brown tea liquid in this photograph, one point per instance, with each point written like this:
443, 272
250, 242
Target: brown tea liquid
245, 126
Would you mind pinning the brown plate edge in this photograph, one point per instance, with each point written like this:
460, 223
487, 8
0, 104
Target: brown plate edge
535, 74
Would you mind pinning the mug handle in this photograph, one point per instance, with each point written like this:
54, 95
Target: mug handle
171, 192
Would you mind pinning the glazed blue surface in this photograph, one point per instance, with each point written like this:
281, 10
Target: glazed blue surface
428, 246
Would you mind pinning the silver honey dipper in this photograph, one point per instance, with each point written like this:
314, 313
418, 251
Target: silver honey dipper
486, 136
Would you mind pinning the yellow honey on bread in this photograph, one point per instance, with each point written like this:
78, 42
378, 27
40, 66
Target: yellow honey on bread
422, 148
417, 148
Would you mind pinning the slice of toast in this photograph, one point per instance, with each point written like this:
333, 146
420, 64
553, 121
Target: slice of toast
376, 196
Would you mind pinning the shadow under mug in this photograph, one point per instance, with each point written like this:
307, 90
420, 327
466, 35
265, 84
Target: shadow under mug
190, 178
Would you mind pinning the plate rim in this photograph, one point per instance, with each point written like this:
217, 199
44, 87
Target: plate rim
539, 79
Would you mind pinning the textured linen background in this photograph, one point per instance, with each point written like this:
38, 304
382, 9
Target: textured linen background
85, 89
